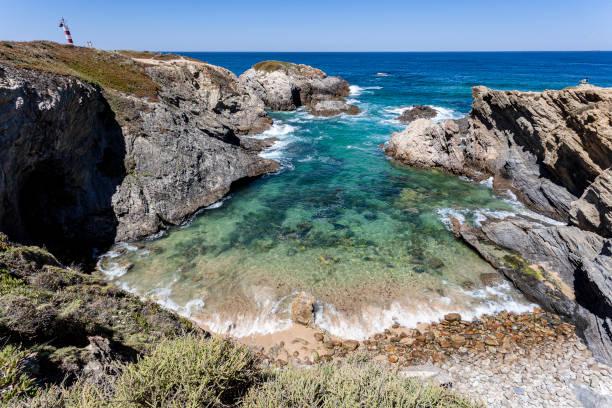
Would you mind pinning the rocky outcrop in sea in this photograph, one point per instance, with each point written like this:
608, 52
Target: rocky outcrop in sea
286, 86
83, 166
553, 150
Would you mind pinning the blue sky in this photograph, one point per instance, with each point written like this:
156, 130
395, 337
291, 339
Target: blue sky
383, 25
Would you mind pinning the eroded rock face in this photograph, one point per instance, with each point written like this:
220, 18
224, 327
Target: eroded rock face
593, 211
79, 173
565, 269
285, 86
547, 147
61, 160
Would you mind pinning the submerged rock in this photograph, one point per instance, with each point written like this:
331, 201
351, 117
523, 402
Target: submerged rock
417, 112
286, 86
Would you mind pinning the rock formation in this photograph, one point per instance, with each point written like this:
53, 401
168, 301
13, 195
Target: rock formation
553, 150
547, 147
593, 211
285, 86
84, 165
417, 112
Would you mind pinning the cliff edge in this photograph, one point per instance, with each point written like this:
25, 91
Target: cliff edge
100, 146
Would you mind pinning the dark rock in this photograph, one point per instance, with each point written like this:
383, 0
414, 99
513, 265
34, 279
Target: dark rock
417, 112
83, 167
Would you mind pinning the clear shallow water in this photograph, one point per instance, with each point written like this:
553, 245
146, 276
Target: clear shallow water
365, 236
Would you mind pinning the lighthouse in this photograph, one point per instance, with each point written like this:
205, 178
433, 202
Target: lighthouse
63, 25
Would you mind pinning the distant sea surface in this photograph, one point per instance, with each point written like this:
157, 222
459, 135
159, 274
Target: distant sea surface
368, 238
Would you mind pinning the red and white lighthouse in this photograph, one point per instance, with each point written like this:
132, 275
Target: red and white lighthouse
63, 25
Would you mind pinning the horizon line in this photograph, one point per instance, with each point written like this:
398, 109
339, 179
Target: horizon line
389, 52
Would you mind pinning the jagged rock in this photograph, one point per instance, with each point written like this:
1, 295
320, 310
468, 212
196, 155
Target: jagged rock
593, 211
417, 112
82, 167
302, 309
285, 86
545, 147
563, 268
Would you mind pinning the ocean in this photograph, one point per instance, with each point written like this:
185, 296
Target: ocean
368, 238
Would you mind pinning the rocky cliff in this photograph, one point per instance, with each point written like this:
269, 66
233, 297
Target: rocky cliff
285, 86
100, 146
553, 150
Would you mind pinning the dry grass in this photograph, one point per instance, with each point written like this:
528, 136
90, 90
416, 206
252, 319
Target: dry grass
115, 71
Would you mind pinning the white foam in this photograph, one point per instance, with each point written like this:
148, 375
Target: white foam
375, 320
219, 203
265, 321
445, 113
382, 74
445, 214
114, 270
487, 182
306, 159
356, 90
278, 129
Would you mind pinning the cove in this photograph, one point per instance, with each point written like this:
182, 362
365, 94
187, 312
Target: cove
365, 236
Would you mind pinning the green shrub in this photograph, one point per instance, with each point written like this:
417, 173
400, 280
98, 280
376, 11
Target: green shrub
188, 372
14, 382
350, 385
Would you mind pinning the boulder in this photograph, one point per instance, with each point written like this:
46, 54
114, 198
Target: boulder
417, 112
286, 86
302, 309
426, 144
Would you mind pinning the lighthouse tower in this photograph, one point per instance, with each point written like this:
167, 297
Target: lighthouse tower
63, 25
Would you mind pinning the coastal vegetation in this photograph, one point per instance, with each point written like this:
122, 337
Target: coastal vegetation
113, 71
69, 339
271, 66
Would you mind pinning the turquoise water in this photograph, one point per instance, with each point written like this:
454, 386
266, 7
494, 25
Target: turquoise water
365, 236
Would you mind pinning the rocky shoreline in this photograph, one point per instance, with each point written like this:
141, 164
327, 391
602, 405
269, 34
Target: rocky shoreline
553, 151
504, 360
91, 160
